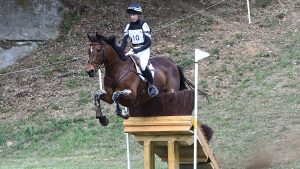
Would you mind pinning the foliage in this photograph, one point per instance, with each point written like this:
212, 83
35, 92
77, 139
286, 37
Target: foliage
264, 3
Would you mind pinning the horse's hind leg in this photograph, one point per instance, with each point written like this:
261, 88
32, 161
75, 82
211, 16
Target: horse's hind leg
173, 80
116, 96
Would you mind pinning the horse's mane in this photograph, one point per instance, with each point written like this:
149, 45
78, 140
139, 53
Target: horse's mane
112, 42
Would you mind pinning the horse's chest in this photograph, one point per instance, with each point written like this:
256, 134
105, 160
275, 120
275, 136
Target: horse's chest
109, 84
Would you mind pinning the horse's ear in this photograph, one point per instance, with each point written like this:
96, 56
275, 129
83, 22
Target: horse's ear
98, 36
89, 36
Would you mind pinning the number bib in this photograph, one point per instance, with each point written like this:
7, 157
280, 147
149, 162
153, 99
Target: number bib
136, 36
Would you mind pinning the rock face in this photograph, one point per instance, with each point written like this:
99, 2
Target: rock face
30, 19
21, 49
27, 20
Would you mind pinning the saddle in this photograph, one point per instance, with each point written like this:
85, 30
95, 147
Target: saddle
137, 65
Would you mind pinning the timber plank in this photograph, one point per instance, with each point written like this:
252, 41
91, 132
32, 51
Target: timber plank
157, 129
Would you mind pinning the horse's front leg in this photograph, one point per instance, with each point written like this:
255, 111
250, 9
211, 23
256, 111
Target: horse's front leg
99, 115
116, 97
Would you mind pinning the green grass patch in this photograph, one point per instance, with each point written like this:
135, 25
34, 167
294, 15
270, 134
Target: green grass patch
67, 143
228, 42
239, 36
48, 72
55, 106
84, 98
263, 54
74, 83
53, 59
215, 51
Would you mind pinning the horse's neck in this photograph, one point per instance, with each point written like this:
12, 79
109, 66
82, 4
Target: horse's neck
114, 64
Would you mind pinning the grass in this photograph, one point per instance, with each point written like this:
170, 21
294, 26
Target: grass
74, 83
261, 109
84, 98
66, 143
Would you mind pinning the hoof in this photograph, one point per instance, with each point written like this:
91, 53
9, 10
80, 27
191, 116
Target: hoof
104, 121
123, 115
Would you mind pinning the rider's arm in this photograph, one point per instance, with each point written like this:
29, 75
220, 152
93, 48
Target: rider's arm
146, 45
147, 38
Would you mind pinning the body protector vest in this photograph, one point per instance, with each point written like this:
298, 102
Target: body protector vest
139, 33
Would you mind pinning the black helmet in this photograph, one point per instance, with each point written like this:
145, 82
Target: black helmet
134, 9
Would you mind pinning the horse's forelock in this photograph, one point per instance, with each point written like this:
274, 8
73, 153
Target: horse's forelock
111, 41
94, 39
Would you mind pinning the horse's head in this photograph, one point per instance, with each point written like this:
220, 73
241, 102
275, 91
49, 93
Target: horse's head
103, 51
96, 54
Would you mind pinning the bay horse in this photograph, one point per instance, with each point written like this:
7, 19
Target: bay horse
122, 83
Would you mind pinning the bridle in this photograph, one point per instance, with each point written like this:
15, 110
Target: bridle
101, 61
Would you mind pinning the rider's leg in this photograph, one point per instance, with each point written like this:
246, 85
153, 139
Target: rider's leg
144, 58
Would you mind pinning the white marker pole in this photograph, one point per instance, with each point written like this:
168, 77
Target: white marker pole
249, 16
100, 79
127, 145
198, 56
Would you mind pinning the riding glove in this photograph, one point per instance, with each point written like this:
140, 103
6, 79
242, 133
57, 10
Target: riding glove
137, 50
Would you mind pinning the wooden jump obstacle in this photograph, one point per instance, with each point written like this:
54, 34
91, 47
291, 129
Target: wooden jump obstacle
168, 132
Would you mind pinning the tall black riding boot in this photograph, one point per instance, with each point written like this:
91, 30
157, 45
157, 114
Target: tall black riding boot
152, 90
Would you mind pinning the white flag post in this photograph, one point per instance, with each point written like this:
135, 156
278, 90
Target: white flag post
249, 15
100, 79
127, 146
198, 56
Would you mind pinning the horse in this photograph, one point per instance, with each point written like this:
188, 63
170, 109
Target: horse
122, 84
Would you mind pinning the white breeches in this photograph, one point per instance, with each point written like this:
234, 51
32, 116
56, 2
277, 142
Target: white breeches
144, 58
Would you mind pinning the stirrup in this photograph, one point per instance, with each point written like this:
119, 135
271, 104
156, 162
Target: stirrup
152, 91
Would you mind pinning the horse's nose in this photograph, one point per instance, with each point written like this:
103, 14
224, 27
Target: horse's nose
91, 73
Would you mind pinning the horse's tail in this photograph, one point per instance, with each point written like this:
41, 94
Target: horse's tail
182, 78
208, 132
184, 81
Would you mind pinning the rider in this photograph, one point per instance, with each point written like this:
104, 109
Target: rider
139, 33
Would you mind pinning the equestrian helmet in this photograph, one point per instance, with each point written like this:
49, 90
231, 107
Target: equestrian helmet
134, 9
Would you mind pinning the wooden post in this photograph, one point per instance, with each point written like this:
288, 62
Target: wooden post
173, 155
149, 162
